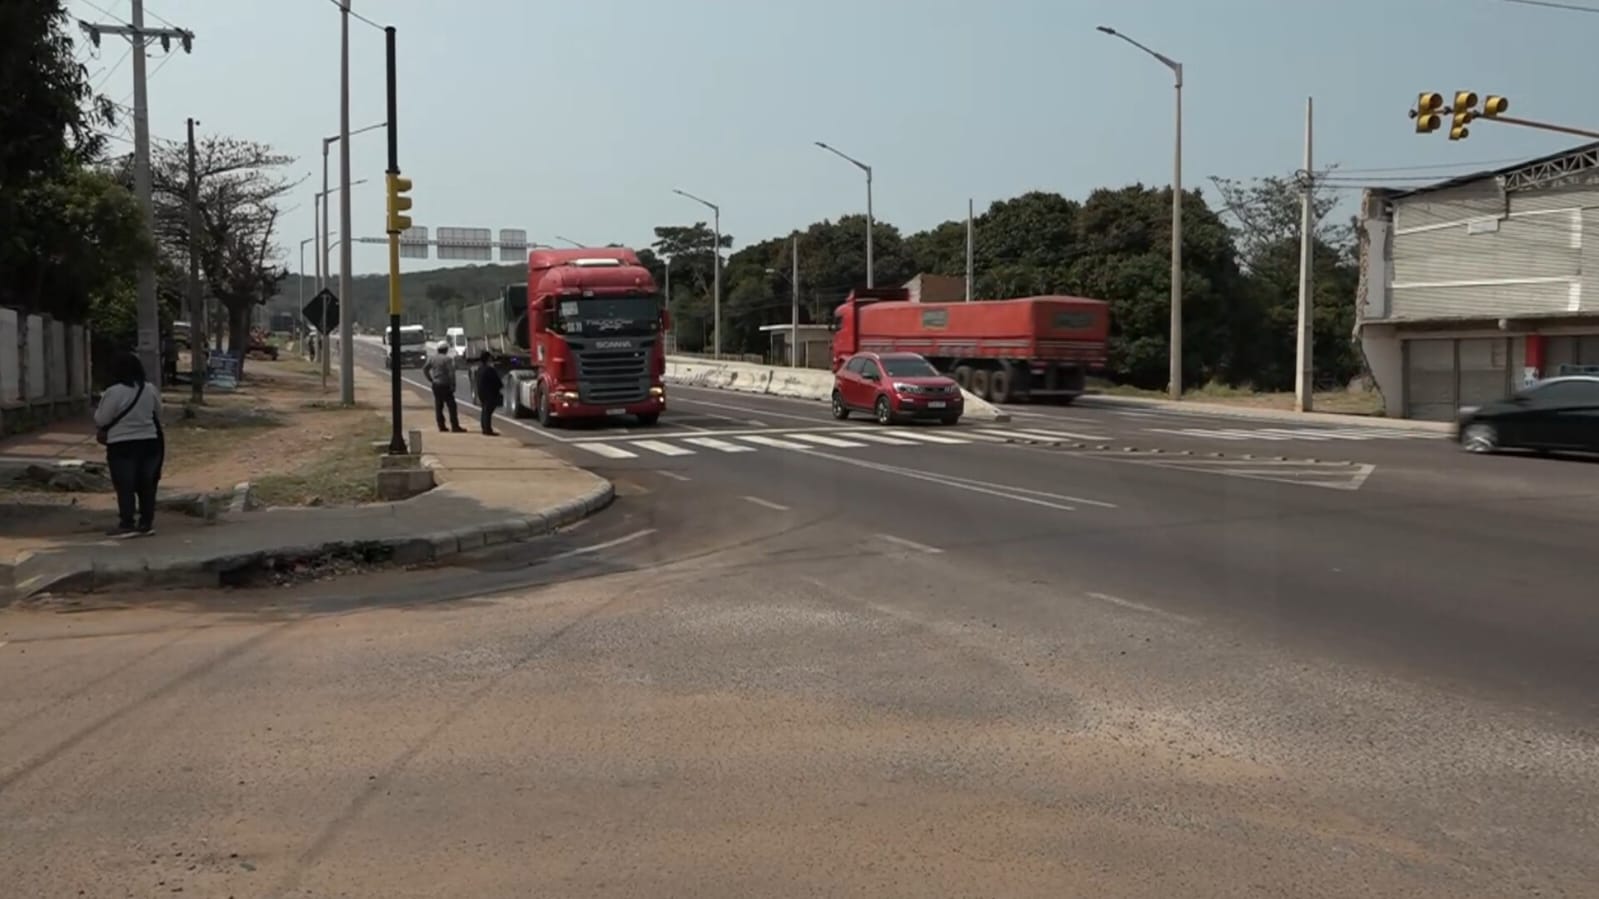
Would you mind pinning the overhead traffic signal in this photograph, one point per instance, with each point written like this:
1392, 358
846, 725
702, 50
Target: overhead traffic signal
1494, 106
398, 203
1426, 112
1461, 114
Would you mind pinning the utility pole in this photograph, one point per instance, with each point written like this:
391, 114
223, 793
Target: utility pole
197, 344
968, 250
396, 225
793, 331
1304, 363
716, 268
149, 310
346, 262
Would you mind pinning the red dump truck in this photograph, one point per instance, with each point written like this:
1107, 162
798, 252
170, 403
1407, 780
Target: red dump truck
581, 339
1032, 348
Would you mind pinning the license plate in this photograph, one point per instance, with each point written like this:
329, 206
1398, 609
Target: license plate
936, 404
615, 411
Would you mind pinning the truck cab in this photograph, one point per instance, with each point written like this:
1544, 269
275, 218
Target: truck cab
413, 346
594, 329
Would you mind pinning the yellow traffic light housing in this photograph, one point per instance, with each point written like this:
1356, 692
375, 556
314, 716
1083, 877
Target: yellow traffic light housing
398, 203
1494, 106
1426, 113
1463, 111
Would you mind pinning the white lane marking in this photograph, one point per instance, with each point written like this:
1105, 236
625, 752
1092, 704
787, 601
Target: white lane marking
876, 437
778, 507
1016, 412
911, 544
971, 434
1039, 433
594, 548
1139, 607
1292, 433
825, 440
606, 450
925, 436
1031, 492
772, 441
673, 475
662, 447
718, 444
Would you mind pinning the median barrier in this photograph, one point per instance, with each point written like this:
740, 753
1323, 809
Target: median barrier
794, 383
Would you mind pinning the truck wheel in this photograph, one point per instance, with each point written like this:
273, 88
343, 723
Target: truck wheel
885, 414
963, 376
999, 385
840, 411
545, 419
648, 419
980, 382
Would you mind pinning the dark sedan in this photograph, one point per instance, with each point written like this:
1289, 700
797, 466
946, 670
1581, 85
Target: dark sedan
1557, 414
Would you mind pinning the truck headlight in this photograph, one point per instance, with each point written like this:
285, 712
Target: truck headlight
566, 394
657, 391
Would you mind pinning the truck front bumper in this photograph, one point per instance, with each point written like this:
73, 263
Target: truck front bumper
563, 405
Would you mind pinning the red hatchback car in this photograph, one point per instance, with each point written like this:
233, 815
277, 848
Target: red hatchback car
895, 387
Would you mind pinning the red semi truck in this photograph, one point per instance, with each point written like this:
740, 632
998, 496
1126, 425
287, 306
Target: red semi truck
1000, 350
585, 338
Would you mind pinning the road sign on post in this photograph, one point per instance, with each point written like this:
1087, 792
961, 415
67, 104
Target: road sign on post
414, 242
313, 310
513, 245
475, 244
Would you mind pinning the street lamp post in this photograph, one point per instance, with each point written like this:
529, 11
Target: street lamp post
716, 269
868, 170
793, 288
1176, 374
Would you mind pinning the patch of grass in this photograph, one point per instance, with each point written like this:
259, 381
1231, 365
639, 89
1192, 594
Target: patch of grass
344, 473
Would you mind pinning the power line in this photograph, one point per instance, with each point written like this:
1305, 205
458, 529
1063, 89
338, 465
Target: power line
1552, 4
355, 15
104, 12
106, 76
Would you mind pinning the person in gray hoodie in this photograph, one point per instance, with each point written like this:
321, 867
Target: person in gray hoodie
128, 420
440, 371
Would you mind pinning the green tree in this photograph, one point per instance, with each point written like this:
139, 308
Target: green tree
68, 240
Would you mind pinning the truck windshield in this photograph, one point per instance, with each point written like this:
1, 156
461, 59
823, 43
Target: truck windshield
903, 367
594, 316
412, 338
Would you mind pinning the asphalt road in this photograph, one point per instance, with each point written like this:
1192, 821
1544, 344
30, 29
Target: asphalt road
806, 657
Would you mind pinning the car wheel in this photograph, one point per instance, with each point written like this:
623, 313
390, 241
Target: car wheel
840, 411
1480, 438
885, 414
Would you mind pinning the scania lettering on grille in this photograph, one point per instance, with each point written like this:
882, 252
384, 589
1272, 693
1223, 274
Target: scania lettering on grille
613, 344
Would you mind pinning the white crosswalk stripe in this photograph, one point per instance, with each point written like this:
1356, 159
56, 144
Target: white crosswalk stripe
926, 436
886, 439
825, 440
716, 443
606, 450
777, 442
662, 447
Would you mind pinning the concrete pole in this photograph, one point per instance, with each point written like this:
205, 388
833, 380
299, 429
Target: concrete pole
324, 252
148, 310
870, 269
1304, 363
197, 366
716, 281
793, 331
1176, 373
969, 250
346, 263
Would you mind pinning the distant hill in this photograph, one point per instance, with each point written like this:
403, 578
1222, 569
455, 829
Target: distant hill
468, 283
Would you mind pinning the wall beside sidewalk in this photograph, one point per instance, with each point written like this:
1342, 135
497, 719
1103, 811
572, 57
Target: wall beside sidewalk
797, 383
44, 370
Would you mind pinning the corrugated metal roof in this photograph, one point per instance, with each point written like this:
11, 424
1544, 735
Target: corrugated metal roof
1459, 180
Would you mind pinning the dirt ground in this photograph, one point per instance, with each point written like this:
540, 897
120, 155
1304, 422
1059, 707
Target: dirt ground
278, 429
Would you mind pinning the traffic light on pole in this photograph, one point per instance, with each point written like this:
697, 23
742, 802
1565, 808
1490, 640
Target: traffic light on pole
1462, 113
398, 203
1426, 113
1494, 106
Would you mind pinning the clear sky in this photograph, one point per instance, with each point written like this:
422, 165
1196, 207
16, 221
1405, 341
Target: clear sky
579, 117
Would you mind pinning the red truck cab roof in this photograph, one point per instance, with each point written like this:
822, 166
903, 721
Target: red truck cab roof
603, 270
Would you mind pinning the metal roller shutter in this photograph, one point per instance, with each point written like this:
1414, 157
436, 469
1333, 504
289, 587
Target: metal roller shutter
1430, 379
1484, 370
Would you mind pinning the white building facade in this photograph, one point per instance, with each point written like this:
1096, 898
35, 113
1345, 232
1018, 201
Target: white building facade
1471, 288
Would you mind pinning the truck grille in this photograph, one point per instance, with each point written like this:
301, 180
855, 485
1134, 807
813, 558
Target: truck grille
614, 376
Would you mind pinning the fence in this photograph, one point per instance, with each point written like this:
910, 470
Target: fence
44, 370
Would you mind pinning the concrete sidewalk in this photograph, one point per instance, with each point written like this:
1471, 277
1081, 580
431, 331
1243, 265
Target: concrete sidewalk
491, 490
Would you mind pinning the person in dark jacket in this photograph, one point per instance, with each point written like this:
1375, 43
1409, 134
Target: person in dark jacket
129, 421
490, 391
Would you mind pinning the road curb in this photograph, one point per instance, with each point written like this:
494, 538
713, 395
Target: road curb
231, 569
